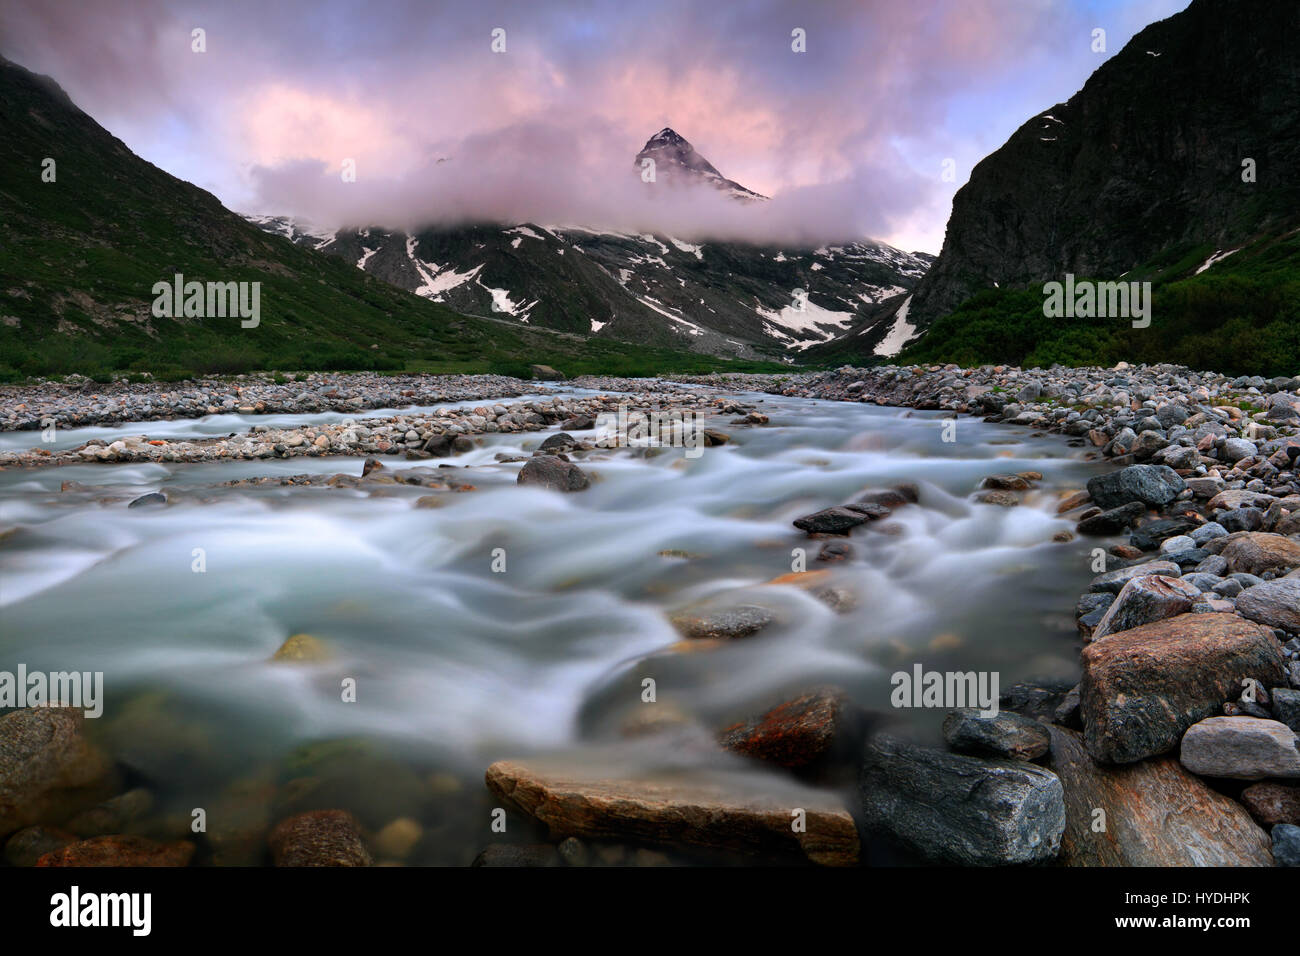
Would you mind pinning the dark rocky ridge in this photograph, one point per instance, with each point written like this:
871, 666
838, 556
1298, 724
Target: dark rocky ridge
1145, 158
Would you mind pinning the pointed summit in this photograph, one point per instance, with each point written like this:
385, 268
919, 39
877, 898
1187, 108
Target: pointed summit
676, 162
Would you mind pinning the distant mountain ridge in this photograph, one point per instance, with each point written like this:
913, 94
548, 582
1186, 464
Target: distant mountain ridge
720, 298
81, 250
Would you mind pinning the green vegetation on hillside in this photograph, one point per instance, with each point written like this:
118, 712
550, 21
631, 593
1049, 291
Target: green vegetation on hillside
1240, 317
79, 257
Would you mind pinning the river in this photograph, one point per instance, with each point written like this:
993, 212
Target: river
457, 664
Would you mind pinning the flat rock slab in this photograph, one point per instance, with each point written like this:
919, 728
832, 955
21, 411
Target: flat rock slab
1240, 748
1142, 688
120, 851
1156, 814
711, 811
1112, 582
954, 809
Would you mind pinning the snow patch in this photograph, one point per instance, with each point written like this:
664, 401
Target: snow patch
1217, 257
899, 333
687, 247
658, 306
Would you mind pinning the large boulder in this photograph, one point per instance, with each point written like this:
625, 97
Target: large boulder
1275, 603
1154, 485
1256, 552
551, 471
949, 808
1144, 600
1240, 748
48, 770
1142, 688
716, 812
1156, 814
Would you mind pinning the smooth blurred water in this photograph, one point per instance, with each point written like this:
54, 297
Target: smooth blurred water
462, 665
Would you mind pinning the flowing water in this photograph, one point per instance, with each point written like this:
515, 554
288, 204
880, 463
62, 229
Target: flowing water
457, 664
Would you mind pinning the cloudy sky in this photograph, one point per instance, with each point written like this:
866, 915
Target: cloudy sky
850, 137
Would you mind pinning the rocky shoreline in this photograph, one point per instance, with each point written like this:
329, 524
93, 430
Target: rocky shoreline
416, 436
1178, 746
78, 401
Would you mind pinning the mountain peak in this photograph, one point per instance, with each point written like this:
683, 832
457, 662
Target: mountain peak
676, 161
667, 135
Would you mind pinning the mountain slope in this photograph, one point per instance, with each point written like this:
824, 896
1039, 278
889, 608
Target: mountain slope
1143, 166
79, 257
720, 298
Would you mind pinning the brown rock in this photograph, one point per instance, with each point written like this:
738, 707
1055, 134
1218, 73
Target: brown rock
817, 583
551, 471
708, 811
1071, 501
1142, 688
319, 838
1255, 552
1005, 483
120, 851
797, 733
48, 770
1273, 803
1157, 814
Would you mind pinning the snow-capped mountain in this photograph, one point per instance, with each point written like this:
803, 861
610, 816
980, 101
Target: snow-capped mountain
674, 161
723, 298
